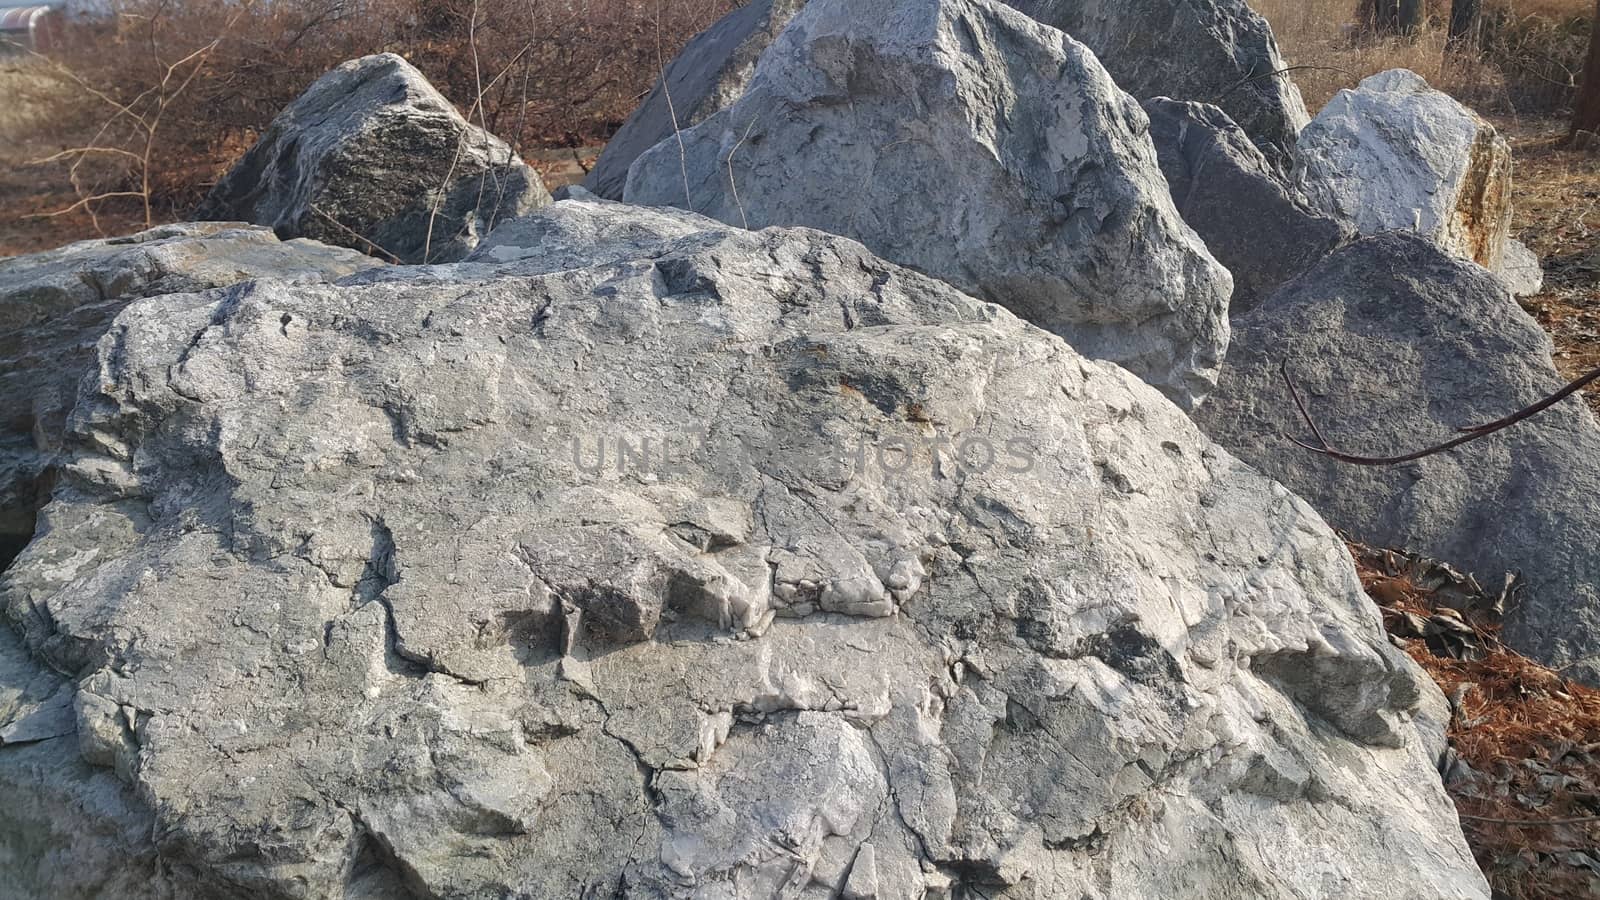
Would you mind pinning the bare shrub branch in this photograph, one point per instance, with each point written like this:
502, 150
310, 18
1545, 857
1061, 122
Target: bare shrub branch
1322, 447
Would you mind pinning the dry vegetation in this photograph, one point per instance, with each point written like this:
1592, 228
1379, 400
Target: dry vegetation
210, 74
1558, 215
1524, 758
1526, 57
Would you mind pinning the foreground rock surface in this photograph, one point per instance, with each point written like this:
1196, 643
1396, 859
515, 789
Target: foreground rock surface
1250, 220
374, 158
1396, 345
969, 142
1211, 51
1397, 155
710, 73
54, 306
351, 614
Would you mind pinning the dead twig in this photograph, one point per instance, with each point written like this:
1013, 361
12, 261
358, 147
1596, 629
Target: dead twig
1468, 435
732, 182
672, 110
144, 117
1278, 72
477, 108
371, 247
1580, 820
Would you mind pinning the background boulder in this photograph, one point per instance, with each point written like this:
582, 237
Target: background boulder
373, 157
1212, 51
967, 141
54, 306
1396, 345
710, 73
1251, 221
1397, 155
363, 615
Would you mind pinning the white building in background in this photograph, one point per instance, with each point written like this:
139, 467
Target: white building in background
29, 27
34, 25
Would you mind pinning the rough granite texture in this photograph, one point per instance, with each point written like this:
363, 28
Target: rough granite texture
373, 157
710, 73
1210, 51
963, 139
1396, 155
55, 305
1251, 221
349, 615
1396, 345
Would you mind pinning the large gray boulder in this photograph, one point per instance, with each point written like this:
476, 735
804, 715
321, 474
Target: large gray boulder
362, 600
372, 157
55, 305
1396, 155
1396, 345
1250, 220
974, 144
1211, 51
711, 72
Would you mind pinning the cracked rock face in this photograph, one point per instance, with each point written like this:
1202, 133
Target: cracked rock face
55, 305
1396, 345
1251, 221
734, 565
373, 157
1211, 51
710, 73
967, 141
1397, 155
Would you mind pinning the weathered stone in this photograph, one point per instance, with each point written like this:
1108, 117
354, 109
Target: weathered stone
573, 235
1520, 269
1397, 155
1211, 51
1262, 231
372, 157
55, 305
711, 72
67, 829
1396, 345
967, 141
361, 609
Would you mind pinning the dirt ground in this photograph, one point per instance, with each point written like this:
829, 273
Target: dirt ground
1523, 764
1557, 196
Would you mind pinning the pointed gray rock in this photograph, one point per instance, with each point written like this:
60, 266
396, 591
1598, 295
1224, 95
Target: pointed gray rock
710, 73
974, 144
1210, 51
372, 157
1396, 155
1250, 220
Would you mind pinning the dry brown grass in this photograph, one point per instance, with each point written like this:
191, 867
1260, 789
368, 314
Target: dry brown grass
29, 84
28, 191
1527, 59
